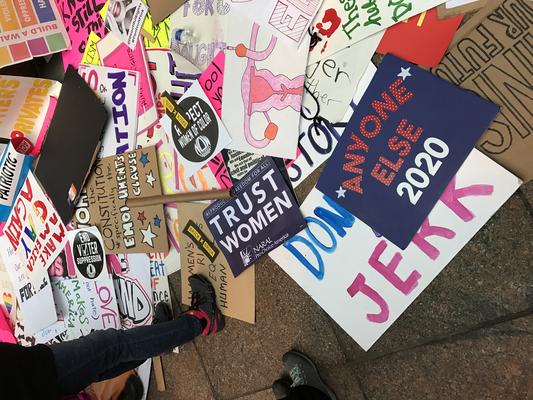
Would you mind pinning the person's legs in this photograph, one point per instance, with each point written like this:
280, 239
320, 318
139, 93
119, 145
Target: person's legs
105, 354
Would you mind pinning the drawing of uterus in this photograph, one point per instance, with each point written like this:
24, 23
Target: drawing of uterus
263, 91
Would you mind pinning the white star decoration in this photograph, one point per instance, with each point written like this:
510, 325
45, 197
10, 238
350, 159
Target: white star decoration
150, 178
148, 235
404, 73
341, 192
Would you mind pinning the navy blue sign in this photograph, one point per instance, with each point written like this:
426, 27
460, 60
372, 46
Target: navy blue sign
263, 214
406, 140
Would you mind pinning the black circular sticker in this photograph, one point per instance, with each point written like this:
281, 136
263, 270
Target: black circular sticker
88, 254
199, 140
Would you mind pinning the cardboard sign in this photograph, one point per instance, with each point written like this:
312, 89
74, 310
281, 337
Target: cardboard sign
422, 39
341, 23
263, 89
160, 9
63, 173
457, 7
199, 134
332, 81
134, 293
30, 29
114, 53
81, 19
117, 89
27, 106
14, 168
125, 20
208, 40
33, 237
377, 282
318, 136
113, 180
409, 136
288, 19
498, 70
200, 255
263, 214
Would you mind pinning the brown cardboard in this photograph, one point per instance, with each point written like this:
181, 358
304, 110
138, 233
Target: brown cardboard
235, 296
470, 22
444, 12
113, 180
494, 61
160, 9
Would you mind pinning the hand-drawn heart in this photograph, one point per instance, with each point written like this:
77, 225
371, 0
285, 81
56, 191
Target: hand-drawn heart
8, 302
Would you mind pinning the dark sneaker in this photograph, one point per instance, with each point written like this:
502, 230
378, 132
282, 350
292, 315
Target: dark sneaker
133, 390
162, 313
204, 306
304, 372
281, 389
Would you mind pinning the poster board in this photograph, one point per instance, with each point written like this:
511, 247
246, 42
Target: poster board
499, 71
379, 281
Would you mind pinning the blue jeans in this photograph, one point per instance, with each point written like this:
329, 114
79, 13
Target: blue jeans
106, 354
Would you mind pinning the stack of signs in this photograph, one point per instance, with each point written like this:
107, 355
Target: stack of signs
113, 181
200, 255
125, 19
342, 23
197, 132
159, 275
263, 89
30, 29
83, 288
117, 89
14, 167
408, 137
260, 217
361, 279
499, 71
27, 106
33, 237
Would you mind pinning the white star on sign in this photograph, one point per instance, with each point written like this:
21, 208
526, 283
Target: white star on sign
404, 73
148, 235
340, 192
150, 178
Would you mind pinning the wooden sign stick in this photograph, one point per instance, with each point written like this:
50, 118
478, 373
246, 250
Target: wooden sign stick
179, 198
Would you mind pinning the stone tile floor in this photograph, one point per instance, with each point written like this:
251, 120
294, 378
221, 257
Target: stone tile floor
469, 335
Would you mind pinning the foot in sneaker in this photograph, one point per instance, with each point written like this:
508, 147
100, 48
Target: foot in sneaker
281, 389
162, 313
304, 372
204, 306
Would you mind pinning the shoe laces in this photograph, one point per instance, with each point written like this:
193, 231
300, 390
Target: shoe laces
297, 376
198, 299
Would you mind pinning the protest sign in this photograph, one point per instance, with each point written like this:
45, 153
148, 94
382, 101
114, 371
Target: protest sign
63, 173
81, 19
159, 279
114, 53
27, 106
318, 136
239, 163
408, 137
90, 55
33, 237
211, 38
331, 82
200, 255
112, 182
14, 168
422, 39
212, 80
117, 89
125, 20
288, 19
133, 288
197, 132
366, 290
6, 333
8, 301
263, 89
458, 7
342, 23
260, 217
498, 69
30, 29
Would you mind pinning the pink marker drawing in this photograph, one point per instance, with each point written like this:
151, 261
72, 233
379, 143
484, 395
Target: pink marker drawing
263, 91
